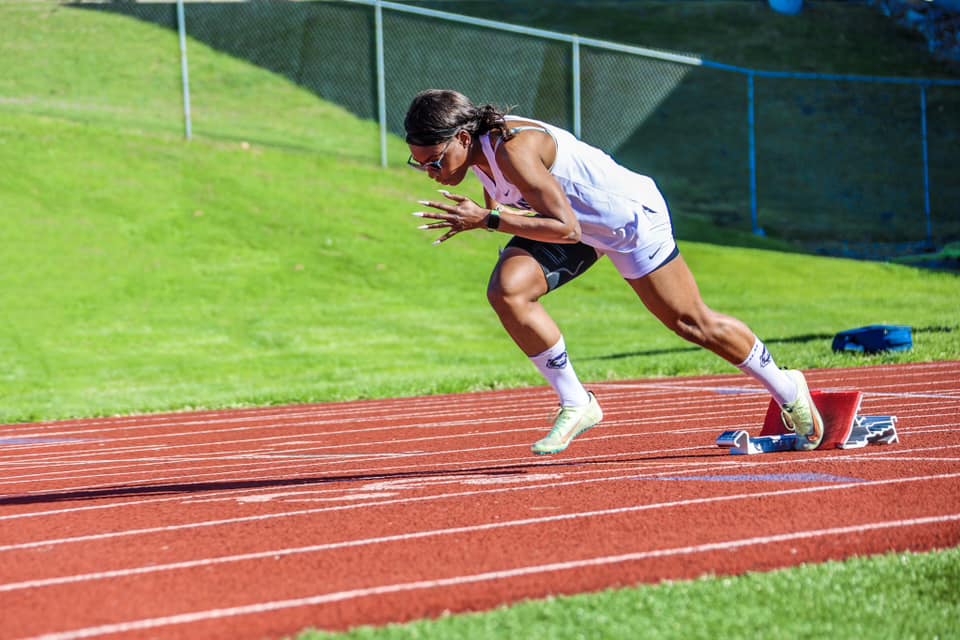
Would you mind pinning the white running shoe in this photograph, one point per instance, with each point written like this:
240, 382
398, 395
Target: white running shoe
570, 422
801, 415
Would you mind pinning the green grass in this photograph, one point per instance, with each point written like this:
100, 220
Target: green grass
891, 596
143, 273
146, 274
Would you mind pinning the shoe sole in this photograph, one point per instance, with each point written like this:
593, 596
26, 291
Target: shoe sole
811, 444
804, 443
566, 446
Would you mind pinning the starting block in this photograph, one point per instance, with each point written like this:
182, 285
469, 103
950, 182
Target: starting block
843, 427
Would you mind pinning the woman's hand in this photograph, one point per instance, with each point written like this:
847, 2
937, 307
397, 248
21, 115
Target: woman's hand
464, 215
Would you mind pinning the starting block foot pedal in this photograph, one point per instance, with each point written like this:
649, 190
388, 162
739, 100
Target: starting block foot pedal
872, 430
838, 409
740, 443
843, 427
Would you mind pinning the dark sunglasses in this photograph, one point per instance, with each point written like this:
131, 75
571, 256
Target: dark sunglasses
424, 166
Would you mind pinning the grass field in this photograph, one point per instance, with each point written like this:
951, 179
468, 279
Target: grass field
143, 274
889, 597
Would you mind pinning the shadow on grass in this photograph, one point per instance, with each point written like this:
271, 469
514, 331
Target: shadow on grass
811, 337
800, 339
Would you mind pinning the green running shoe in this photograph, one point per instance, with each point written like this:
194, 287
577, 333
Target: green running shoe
801, 416
570, 422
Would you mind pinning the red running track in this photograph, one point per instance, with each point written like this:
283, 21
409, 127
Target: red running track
259, 523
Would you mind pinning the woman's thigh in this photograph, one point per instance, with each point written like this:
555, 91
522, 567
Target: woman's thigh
543, 266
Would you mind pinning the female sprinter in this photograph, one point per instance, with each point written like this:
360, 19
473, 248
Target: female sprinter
566, 204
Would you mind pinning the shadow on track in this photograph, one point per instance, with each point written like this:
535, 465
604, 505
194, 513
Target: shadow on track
193, 488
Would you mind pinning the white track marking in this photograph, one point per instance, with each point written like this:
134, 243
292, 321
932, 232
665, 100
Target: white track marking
93, 456
90, 459
415, 535
87, 461
356, 411
719, 462
188, 475
504, 574
466, 413
179, 459
302, 512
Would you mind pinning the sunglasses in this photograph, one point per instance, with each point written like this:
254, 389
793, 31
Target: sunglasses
435, 164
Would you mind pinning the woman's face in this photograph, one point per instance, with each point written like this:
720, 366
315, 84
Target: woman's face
446, 162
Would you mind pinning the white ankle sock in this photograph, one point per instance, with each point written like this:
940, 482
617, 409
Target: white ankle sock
554, 365
760, 366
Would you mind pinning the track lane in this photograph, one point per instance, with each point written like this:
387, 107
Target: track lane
180, 503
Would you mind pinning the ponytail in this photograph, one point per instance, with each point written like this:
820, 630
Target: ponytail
436, 115
489, 118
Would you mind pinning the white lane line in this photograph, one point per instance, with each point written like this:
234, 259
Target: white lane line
361, 476
91, 458
122, 464
460, 419
377, 407
369, 410
404, 537
738, 411
716, 463
134, 468
188, 472
464, 416
340, 596
300, 512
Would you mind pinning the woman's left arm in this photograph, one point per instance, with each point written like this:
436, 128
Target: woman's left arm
523, 160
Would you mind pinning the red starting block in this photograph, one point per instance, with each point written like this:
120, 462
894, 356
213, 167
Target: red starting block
843, 427
838, 410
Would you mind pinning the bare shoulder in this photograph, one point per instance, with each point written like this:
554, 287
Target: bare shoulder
529, 145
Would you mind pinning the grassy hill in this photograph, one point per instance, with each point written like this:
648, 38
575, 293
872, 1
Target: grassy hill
145, 273
827, 183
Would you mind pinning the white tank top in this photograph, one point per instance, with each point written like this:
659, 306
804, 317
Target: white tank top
618, 210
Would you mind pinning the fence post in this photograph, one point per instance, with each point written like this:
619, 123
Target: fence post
751, 125
926, 163
381, 84
576, 86
184, 68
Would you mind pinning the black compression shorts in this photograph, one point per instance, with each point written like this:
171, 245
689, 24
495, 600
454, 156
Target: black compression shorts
561, 263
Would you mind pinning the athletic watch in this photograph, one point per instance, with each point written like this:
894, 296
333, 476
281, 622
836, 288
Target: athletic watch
493, 220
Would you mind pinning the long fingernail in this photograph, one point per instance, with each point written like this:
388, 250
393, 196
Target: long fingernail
424, 202
443, 191
436, 243
424, 226
419, 214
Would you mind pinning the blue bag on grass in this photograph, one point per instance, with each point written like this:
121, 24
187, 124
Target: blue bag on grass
874, 339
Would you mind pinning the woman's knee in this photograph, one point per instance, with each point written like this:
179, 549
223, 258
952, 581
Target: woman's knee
516, 281
511, 293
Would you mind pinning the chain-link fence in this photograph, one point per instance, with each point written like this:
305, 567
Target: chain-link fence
848, 166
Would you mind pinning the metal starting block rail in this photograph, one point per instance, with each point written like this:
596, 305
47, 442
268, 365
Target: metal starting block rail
872, 430
843, 427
